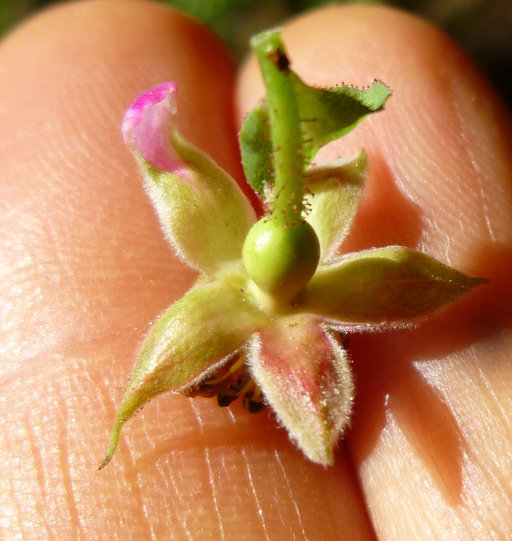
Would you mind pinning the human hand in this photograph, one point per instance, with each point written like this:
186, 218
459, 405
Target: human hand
86, 269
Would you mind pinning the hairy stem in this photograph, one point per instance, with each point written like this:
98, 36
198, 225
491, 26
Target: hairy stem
284, 125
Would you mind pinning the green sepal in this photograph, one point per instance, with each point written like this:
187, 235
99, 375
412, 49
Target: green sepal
334, 193
383, 286
202, 210
190, 342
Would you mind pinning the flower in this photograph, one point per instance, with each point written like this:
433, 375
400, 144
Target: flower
242, 330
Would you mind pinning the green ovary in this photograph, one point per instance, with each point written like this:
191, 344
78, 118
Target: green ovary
281, 258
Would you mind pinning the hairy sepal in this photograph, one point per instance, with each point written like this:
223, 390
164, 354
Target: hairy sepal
203, 212
305, 376
147, 123
383, 286
334, 193
192, 340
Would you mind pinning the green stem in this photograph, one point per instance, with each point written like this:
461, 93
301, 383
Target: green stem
284, 125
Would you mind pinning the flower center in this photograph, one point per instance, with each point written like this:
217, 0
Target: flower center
232, 382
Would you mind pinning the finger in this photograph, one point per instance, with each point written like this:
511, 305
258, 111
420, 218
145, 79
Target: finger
85, 269
433, 404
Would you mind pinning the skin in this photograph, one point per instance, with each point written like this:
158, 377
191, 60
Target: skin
85, 269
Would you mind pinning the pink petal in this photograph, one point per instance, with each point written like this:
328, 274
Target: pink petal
305, 376
148, 123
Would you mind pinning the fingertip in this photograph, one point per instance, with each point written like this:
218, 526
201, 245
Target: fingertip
68, 75
84, 264
94, 57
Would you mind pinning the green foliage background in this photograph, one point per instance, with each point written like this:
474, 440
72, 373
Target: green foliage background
483, 27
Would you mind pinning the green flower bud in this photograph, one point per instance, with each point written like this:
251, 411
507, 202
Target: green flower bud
281, 258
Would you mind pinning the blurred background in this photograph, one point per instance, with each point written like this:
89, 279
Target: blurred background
482, 27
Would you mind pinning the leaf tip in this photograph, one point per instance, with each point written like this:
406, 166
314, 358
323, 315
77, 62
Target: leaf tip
476, 281
114, 439
106, 460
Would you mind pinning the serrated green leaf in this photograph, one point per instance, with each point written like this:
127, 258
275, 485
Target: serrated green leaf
328, 114
335, 191
384, 286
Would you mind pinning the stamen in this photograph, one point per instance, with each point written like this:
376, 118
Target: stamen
229, 384
235, 366
253, 401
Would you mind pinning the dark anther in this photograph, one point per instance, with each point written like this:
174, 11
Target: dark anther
224, 400
252, 403
207, 390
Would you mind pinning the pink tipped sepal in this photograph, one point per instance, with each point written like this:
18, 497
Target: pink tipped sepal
148, 123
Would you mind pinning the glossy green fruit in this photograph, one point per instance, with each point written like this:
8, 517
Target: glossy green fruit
280, 258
